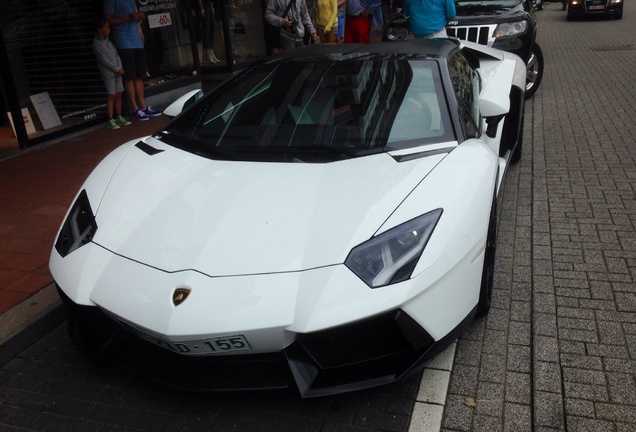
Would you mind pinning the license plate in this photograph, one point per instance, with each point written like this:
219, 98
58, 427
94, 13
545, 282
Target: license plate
209, 346
596, 7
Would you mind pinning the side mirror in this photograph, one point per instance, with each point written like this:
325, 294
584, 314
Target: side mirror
493, 105
175, 108
397, 27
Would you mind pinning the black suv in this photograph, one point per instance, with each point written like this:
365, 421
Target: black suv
508, 25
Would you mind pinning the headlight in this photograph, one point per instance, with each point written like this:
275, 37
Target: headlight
511, 29
391, 257
79, 227
397, 33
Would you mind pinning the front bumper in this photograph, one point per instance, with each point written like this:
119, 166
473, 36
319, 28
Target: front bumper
350, 357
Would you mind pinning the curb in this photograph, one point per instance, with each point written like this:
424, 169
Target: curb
31, 310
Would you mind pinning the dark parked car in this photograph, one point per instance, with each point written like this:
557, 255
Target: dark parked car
585, 8
508, 25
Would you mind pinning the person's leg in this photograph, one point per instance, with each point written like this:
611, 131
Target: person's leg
332, 35
138, 84
129, 87
286, 44
358, 30
350, 30
364, 29
128, 64
119, 88
110, 102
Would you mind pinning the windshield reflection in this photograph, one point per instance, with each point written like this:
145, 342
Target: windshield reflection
336, 109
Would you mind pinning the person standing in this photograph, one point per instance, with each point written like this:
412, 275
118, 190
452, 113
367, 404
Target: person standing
124, 18
110, 67
327, 20
341, 20
292, 17
357, 23
428, 17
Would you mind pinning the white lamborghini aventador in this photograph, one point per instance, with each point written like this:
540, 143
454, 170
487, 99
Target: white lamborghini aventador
325, 219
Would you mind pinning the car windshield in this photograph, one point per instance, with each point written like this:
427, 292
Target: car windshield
318, 110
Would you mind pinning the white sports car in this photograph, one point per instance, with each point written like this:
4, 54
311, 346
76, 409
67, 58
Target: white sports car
324, 219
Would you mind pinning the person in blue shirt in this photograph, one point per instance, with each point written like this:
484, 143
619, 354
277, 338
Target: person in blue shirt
428, 17
124, 17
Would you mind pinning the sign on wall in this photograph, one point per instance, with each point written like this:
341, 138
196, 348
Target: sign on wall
26, 118
46, 111
159, 12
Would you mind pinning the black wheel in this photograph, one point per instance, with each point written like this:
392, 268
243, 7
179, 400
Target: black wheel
535, 70
487, 275
94, 344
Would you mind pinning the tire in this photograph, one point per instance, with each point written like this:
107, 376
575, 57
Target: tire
488, 272
535, 70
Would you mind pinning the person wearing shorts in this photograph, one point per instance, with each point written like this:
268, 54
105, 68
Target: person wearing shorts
327, 20
124, 17
110, 67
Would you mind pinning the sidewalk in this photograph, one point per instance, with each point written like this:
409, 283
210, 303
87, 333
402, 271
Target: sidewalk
37, 187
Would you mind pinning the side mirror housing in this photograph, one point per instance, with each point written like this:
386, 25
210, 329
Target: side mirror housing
176, 107
493, 105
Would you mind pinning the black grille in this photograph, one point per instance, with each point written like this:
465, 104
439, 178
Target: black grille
378, 350
476, 34
596, 5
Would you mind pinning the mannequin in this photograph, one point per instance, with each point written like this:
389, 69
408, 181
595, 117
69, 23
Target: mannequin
204, 11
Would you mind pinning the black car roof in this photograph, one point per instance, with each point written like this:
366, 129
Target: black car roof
434, 48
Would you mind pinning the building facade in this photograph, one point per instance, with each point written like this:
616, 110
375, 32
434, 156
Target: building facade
48, 73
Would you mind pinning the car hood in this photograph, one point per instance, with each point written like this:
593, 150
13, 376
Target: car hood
487, 11
176, 211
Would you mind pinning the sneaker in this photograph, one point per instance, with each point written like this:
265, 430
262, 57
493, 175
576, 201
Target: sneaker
110, 124
121, 121
150, 112
139, 115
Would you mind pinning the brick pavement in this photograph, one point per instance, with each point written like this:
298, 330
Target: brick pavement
558, 350
32, 208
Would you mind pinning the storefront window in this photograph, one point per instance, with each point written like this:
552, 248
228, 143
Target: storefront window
245, 18
50, 76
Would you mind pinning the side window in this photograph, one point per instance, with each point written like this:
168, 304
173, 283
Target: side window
466, 86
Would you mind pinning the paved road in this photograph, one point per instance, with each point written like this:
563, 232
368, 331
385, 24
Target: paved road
556, 352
